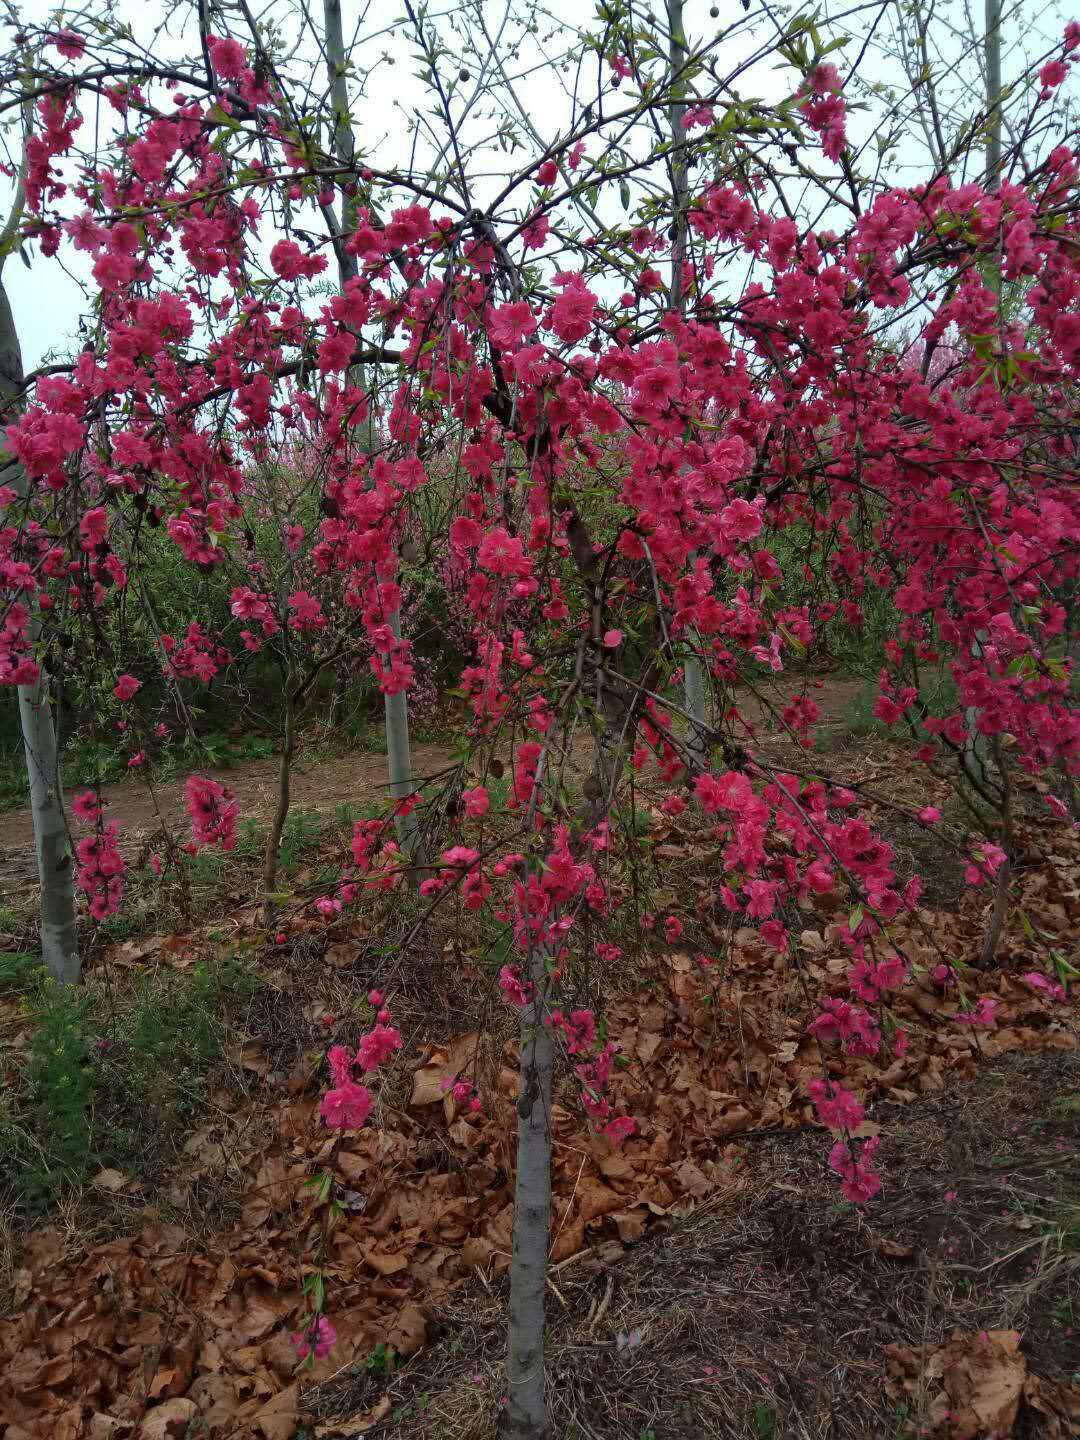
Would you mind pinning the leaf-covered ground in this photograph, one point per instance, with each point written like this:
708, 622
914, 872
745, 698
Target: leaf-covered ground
707, 1277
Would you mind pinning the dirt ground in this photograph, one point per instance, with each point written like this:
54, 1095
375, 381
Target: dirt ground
317, 784
321, 784
771, 1310
707, 1279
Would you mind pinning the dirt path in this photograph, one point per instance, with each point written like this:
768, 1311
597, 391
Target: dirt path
318, 784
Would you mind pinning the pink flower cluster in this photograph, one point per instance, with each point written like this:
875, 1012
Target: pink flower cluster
213, 812
347, 1104
101, 867
316, 1340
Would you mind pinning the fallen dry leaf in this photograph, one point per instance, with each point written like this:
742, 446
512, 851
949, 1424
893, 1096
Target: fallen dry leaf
355, 1424
983, 1377
409, 1331
170, 1421
111, 1180
277, 1419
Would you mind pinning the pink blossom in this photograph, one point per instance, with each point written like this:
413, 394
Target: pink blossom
1047, 986
317, 1340
347, 1106
619, 1129
227, 56
377, 1046
516, 990
127, 687
86, 806
94, 528
981, 1013
340, 1061
860, 1181
501, 553
1051, 75
70, 44
837, 1108
573, 312
213, 812
476, 802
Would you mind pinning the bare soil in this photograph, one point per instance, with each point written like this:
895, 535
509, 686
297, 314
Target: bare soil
321, 783
772, 1310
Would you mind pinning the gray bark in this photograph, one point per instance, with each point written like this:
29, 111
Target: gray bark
997, 915
396, 707
281, 811
399, 757
975, 750
992, 45
693, 673
58, 925
525, 1416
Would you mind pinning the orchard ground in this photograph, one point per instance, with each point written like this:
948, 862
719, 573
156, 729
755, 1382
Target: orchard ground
707, 1278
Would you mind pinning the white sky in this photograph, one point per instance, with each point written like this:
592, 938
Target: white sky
47, 301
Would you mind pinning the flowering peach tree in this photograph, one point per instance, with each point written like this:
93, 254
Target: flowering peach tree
864, 389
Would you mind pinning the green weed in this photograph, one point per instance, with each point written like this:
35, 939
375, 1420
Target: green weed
109, 1085
302, 832
17, 970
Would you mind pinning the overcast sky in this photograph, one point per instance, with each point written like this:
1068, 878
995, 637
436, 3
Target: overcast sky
48, 299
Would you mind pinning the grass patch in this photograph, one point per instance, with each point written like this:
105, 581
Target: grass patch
937, 696
302, 832
16, 970
109, 1084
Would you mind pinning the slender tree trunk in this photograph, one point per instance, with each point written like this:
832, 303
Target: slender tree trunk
1003, 878
997, 915
525, 1416
975, 749
399, 758
992, 53
693, 674
281, 812
396, 707
58, 927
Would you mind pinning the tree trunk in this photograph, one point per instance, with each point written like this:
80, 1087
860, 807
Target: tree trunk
525, 1416
693, 673
1004, 875
58, 926
975, 750
396, 707
281, 812
399, 758
992, 53
997, 915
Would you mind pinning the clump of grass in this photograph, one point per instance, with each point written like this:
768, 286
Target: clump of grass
111, 1085
250, 840
16, 970
302, 833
